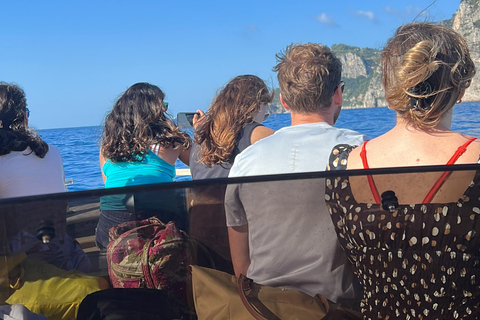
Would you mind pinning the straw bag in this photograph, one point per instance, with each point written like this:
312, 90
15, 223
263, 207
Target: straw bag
218, 295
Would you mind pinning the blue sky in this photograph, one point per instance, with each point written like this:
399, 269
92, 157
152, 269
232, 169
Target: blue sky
74, 58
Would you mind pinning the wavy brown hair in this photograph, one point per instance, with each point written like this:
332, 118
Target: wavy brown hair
14, 132
137, 121
426, 69
235, 106
308, 75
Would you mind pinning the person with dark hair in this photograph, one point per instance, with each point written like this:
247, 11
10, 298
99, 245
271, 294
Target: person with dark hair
28, 165
140, 145
418, 258
232, 123
277, 235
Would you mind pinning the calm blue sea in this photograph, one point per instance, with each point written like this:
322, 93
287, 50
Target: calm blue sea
80, 146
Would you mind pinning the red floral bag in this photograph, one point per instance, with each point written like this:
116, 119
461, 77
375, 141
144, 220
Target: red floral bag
149, 254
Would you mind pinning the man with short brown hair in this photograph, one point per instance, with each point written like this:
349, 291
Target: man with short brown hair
280, 232
309, 76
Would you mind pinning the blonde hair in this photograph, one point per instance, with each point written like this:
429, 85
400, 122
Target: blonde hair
235, 106
426, 69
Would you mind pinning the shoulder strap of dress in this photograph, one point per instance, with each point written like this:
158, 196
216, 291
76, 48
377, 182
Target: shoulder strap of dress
371, 183
461, 150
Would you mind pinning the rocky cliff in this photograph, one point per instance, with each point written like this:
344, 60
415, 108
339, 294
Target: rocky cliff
467, 22
362, 69
362, 76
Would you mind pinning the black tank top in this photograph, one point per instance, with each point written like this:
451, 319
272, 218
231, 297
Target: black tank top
221, 170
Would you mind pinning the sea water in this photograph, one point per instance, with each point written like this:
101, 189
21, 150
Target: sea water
79, 147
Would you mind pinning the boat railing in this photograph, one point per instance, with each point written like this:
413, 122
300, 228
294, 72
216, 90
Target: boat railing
197, 207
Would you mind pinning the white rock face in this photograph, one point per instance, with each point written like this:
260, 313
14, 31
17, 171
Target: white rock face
353, 66
467, 22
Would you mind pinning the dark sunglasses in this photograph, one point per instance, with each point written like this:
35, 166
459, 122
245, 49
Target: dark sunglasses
165, 104
27, 111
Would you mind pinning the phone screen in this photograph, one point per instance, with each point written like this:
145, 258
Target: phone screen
185, 119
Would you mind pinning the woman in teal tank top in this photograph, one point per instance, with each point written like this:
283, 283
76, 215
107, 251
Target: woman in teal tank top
139, 145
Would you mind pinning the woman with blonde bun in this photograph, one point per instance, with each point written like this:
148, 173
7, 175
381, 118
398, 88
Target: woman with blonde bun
418, 258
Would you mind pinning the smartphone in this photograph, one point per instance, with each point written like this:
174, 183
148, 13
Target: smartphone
185, 119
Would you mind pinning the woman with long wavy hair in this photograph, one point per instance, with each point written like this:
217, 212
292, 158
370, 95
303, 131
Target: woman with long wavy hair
139, 145
231, 124
28, 165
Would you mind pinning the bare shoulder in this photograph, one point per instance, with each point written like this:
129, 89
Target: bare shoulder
168, 154
354, 159
260, 132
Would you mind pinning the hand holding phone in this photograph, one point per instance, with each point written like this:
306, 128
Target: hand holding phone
189, 120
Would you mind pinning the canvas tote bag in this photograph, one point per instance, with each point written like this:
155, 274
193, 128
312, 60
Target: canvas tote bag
218, 295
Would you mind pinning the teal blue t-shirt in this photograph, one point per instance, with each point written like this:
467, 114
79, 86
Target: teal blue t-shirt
152, 169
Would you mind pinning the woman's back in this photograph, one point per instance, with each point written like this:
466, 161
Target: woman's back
28, 165
25, 174
405, 148
222, 169
419, 260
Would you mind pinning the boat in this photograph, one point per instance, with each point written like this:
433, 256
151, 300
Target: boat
76, 214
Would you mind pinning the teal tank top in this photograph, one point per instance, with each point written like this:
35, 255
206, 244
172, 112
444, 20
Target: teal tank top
152, 169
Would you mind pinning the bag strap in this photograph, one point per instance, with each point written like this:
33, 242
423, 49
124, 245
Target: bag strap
245, 284
147, 276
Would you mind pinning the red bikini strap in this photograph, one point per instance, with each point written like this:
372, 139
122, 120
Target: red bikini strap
373, 187
461, 150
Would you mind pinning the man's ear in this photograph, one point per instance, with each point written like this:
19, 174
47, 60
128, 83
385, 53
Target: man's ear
337, 99
283, 102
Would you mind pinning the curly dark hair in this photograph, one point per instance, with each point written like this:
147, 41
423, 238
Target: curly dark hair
235, 106
14, 132
137, 121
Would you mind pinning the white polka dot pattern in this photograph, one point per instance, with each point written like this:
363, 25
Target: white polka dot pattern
419, 262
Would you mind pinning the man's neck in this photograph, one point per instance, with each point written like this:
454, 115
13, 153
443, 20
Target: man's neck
304, 118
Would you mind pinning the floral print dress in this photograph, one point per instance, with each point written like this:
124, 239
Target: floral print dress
419, 262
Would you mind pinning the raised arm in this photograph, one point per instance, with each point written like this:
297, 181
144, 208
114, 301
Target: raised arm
184, 156
198, 118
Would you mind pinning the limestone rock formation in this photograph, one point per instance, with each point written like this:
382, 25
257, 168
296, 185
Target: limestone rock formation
362, 66
467, 22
